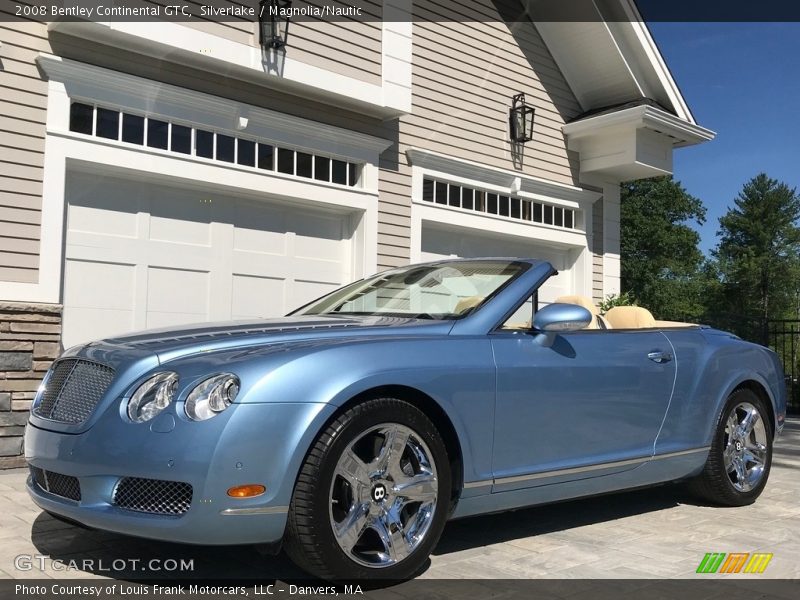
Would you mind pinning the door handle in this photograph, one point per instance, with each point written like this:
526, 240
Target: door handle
660, 357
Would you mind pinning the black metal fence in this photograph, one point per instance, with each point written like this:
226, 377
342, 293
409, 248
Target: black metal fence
783, 336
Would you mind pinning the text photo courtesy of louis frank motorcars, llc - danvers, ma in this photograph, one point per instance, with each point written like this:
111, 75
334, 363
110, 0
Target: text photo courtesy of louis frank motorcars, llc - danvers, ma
399, 299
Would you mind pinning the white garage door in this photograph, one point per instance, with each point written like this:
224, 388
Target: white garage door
141, 255
440, 241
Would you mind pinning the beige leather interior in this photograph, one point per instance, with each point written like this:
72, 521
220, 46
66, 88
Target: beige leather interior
465, 304
585, 303
630, 317
619, 317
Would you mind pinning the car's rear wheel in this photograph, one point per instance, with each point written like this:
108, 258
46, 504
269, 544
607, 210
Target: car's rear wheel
372, 497
740, 458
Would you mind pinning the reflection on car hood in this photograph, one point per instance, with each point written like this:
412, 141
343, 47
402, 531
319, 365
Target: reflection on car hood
172, 342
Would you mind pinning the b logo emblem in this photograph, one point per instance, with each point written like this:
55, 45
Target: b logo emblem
378, 493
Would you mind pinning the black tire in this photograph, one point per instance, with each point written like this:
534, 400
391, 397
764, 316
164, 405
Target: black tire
715, 484
310, 540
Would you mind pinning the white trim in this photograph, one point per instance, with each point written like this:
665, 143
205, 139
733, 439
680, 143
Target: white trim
612, 282
500, 180
120, 90
630, 143
573, 240
201, 50
656, 61
615, 32
396, 54
482, 222
645, 116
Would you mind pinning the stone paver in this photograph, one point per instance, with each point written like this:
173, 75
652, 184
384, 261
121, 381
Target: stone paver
654, 533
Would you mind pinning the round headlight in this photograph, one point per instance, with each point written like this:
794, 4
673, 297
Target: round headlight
212, 396
153, 396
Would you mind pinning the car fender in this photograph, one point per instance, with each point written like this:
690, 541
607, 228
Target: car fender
735, 381
457, 374
711, 365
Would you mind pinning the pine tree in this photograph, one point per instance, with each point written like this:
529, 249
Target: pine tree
758, 254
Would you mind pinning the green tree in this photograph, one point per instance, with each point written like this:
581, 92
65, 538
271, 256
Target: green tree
660, 258
758, 255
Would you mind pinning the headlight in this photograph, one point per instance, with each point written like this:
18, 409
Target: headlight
212, 396
153, 396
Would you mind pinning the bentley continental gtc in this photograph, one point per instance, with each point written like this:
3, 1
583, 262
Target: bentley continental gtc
350, 431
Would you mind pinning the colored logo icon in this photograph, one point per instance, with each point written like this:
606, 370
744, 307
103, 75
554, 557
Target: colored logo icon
734, 562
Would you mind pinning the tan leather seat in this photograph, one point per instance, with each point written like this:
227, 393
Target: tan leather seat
585, 303
467, 303
630, 317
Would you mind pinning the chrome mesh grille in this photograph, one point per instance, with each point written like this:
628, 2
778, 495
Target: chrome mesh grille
57, 484
73, 389
154, 496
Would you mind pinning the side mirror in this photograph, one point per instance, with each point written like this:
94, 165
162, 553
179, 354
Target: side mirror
560, 318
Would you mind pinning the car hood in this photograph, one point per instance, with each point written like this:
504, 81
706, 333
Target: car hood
175, 342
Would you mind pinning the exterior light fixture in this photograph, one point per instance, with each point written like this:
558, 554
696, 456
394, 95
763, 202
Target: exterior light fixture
273, 21
520, 120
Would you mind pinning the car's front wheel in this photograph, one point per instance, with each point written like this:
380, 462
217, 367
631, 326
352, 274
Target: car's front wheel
372, 497
739, 461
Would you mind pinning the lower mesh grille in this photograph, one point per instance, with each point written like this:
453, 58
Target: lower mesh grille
154, 496
57, 484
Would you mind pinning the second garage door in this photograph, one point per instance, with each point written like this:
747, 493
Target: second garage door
441, 241
143, 255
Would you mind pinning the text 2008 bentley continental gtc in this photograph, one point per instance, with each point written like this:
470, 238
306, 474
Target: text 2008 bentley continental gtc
351, 430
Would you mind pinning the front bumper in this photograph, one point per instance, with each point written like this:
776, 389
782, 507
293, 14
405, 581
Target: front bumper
249, 443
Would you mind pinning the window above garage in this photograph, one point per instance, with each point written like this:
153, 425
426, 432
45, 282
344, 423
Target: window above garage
154, 132
483, 201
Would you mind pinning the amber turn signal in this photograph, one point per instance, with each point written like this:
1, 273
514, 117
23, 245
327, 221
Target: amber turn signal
246, 491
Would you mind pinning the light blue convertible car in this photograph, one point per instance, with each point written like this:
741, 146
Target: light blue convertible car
351, 430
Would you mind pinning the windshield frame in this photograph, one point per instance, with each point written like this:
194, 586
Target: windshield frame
521, 265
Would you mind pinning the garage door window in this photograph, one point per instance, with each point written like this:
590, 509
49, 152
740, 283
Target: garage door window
473, 199
165, 135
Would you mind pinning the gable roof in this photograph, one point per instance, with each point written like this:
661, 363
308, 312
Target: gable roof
608, 57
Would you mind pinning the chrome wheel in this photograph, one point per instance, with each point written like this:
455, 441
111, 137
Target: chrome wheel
745, 447
383, 495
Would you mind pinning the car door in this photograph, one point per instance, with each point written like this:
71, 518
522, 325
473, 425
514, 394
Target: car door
589, 405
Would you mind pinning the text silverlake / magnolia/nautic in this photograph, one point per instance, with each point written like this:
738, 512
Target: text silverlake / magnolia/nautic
328, 10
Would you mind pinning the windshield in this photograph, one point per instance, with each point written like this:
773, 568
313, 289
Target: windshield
434, 291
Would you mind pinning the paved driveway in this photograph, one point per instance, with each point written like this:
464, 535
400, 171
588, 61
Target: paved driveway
643, 534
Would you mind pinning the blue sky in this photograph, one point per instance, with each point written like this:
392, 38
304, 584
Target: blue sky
742, 80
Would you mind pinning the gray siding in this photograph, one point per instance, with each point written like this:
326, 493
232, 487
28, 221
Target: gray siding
23, 102
350, 48
394, 214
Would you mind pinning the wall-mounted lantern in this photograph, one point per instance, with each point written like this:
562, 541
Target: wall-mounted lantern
273, 21
520, 120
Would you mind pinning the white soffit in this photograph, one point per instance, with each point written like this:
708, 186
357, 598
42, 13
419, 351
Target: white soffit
610, 58
655, 119
630, 143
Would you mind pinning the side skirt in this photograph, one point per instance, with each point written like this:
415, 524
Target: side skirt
659, 469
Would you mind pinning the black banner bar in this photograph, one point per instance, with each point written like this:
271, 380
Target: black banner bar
231, 11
